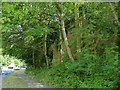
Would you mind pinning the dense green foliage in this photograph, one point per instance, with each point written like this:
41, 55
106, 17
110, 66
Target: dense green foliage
6, 60
87, 72
64, 44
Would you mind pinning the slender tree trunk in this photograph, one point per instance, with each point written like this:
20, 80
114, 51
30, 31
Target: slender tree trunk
33, 57
66, 40
77, 26
64, 32
61, 46
45, 50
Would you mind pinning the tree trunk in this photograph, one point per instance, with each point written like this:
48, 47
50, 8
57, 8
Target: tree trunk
66, 40
45, 50
61, 46
33, 57
77, 26
64, 32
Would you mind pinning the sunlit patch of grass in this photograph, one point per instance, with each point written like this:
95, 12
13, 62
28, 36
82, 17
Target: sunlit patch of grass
13, 81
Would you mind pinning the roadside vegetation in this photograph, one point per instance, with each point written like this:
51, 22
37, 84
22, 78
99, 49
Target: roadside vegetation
6, 60
73, 44
77, 75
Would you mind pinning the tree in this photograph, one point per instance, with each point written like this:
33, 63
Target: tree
84, 33
61, 18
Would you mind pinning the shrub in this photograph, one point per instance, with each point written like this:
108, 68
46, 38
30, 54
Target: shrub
88, 71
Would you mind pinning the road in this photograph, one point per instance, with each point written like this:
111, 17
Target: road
30, 82
3, 76
18, 79
0, 82
1, 79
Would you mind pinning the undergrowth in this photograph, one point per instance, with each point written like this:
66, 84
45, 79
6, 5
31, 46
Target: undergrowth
88, 71
80, 73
